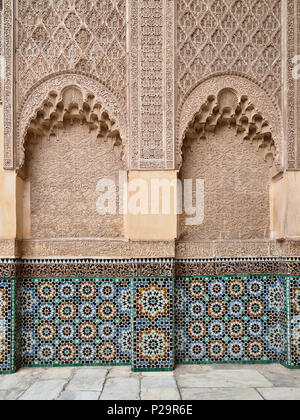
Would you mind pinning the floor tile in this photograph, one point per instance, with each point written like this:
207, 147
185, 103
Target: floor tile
87, 380
79, 396
159, 388
44, 390
282, 394
224, 379
232, 394
121, 389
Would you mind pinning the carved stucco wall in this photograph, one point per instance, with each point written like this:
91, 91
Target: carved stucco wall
292, 100
179, 52
64, 171
234, 151
54, 37
236, 189
257, 97
74, 35
70, 146
229, 35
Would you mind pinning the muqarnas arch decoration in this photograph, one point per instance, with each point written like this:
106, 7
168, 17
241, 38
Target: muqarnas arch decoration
238, 102
94, 101
69, 144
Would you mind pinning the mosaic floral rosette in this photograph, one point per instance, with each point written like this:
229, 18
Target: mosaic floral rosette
76, 321
230, 319
152, 323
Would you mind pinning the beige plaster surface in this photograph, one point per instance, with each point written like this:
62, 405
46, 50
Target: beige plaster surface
7, 194
285, 195
141, 199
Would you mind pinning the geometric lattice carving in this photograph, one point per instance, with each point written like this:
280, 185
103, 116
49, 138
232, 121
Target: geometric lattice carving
228, 109
70, 106
71, 35
151, 83
229, 35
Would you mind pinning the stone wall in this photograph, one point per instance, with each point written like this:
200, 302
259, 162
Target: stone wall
158, 89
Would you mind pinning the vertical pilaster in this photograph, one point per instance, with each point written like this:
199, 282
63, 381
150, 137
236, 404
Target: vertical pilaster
153, 323
8, 91
151, 83
292, 12
151, 127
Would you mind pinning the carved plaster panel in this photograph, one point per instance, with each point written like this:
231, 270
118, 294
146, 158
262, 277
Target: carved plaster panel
71, 35
50, 37
55, 85
236, 173
257, 100
151, 83
293, 85
227, 249
229, 35
71, 144
41, 248
8, 96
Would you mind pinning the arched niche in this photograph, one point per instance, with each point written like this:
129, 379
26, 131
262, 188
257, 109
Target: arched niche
70, 143
55, 85
230, 144
257, 98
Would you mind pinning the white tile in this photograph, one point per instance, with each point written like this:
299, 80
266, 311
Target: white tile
11, 395
233, 394
44, 390
87, 380
158, 381
280, 394
79, 396
118, 371
8, 382
57, 373
224, 379
157, 374
159, 388
121, 389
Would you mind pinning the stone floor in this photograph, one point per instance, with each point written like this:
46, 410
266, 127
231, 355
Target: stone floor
215, 382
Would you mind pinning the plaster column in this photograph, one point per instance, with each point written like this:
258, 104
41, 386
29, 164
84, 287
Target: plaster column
8, 204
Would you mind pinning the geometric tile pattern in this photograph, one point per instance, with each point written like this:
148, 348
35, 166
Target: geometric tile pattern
75, 321
139, 312
230, 319
152, 324
6, 321
295, 320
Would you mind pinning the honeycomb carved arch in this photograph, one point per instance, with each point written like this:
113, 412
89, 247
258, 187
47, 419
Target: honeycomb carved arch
233, 100
70, 97
70, 106
226, 109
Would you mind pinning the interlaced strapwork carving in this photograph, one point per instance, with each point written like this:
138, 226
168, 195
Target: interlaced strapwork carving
229, 35
227, 109
71, 35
